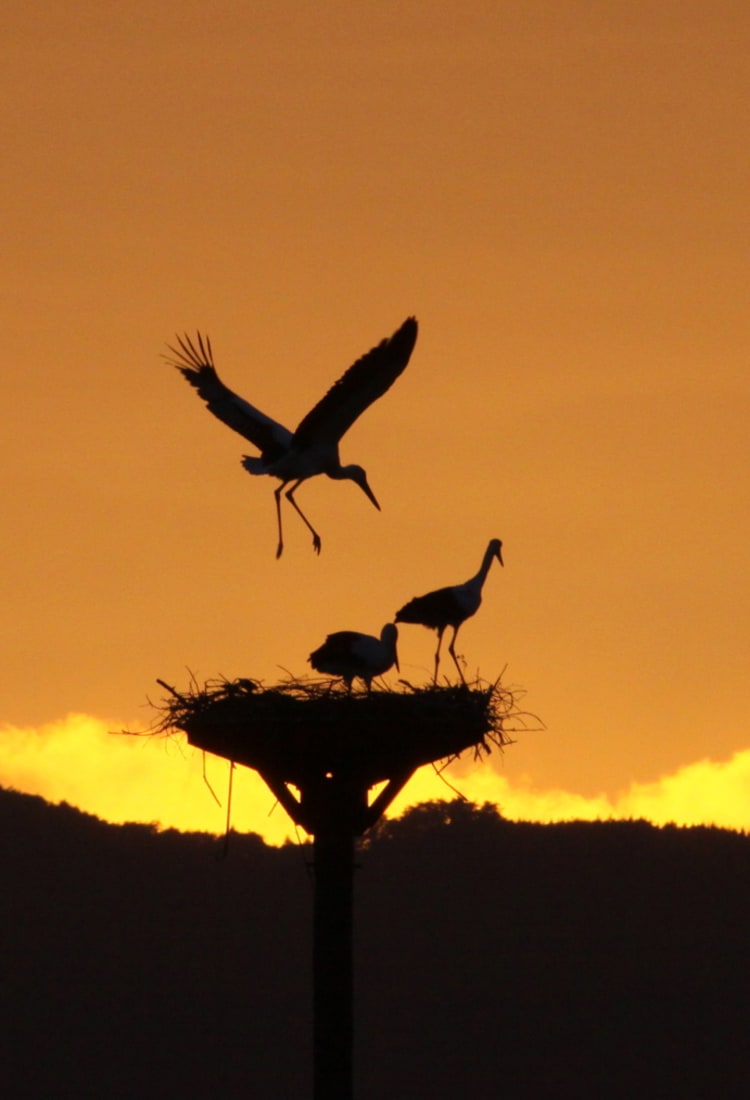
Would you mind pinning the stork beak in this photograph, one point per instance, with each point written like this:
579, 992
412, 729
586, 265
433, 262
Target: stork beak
500, 556
368, 491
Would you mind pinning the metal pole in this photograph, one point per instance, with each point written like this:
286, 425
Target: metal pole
332, 963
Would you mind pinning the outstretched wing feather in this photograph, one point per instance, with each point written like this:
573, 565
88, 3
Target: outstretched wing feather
364, 382
194, 360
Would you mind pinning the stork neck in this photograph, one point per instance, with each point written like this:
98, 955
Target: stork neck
338, 472
484, 569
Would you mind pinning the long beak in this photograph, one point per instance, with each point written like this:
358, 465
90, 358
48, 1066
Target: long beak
500, 557
368, 492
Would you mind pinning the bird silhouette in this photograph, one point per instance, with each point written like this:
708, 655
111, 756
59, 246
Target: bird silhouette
313, 448
451, 606
349, 654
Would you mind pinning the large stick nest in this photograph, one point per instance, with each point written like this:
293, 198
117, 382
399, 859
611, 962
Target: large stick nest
302, 729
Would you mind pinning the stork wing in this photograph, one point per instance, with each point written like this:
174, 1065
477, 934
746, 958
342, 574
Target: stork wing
364, 382
195, 362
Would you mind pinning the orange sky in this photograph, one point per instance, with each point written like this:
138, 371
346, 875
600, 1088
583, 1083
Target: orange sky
558, 191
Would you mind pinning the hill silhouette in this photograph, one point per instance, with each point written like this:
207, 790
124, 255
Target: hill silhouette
493, 959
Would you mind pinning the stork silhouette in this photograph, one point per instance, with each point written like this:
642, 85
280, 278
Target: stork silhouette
451, 606
348, 654
313, 448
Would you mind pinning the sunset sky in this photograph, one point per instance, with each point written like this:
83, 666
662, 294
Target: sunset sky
558, 190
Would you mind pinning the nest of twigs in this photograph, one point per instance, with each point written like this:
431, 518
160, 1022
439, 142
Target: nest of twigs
303, 729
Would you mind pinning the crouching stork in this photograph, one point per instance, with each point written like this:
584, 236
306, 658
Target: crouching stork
349, 654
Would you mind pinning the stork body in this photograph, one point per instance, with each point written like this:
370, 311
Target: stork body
451, 606
313, 448
348, 654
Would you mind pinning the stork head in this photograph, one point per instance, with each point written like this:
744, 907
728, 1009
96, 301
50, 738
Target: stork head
358, 475
497, 549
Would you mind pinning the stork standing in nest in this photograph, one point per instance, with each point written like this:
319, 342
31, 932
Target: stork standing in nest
348, 654
451, 606
313, 448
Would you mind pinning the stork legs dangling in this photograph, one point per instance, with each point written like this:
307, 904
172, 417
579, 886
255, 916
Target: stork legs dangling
289, 494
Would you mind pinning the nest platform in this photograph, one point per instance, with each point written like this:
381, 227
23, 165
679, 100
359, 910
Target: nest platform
321, 739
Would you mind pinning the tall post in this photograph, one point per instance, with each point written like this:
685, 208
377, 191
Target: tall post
332, 964
335, 806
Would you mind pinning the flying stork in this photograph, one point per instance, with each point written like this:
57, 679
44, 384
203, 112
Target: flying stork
313, 447
348, 654
451, 606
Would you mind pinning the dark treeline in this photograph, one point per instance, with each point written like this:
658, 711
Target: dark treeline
493, 959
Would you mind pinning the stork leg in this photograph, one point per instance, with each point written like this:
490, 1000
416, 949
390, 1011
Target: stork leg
440, 630
452, 652
290, 497
277, 495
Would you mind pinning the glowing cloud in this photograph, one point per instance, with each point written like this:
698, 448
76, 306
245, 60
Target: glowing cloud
120, 778
702, 793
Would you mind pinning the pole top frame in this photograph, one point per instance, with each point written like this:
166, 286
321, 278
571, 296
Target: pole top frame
320, 749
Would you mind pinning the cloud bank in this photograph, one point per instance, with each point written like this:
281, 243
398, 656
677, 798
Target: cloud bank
162, 780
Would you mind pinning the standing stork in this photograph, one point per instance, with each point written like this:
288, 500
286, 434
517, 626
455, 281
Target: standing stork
451, 606
314, 447
348, 654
